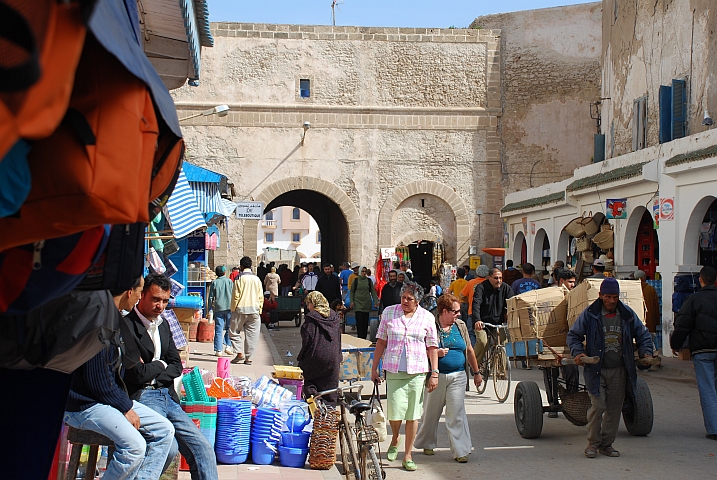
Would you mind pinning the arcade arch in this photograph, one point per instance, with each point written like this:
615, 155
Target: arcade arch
542, 242
455, 233
691, 248
520, 249
334, 212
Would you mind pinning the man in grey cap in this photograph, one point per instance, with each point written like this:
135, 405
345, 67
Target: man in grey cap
608, 327
598, 269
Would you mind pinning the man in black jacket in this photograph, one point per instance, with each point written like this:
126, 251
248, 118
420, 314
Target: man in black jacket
697, 319
151, 382
391, 292
99, 402
489, 305
329, 285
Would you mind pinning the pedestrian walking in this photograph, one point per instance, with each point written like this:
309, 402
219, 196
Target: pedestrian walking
363, 292
247, 303
271, 282
391, 292
219, 300
697, 321
329, 285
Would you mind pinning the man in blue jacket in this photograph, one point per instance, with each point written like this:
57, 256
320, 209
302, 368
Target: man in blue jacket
608, 327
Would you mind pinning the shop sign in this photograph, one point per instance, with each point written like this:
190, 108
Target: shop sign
616, 208
525, 226
196, 247
388, 253
249, 210
667, 209
532, 228
656, 213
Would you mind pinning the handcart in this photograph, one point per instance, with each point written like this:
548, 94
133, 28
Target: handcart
565, 392
289, 308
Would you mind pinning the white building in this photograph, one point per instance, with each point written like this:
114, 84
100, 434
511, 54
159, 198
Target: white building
290, 228
661, 155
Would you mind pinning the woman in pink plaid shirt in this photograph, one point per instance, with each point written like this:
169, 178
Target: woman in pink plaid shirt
407, 341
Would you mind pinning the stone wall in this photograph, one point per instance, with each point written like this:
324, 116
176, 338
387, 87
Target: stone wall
550, 60
647, 45
394, 113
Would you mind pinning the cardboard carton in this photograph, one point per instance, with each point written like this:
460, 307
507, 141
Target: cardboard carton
587, 292
538, 314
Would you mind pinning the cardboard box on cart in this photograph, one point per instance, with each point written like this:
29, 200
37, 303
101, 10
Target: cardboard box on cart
587, 292
539, 314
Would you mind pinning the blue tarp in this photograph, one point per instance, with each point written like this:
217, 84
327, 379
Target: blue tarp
199, 174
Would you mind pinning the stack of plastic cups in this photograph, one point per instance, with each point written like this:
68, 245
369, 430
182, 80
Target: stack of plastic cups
233, 431
265, 435
223, 367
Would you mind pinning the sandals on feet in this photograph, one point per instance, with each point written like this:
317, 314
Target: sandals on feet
392, 453
409, 465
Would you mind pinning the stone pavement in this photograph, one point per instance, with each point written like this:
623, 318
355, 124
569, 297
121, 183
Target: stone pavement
202, 356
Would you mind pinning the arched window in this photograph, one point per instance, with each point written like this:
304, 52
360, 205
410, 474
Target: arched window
296, 214
269, 215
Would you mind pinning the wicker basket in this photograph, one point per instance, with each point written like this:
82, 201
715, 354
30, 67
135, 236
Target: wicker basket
588, 257
583, 244
575, 406
575, 228
589, 225
322, 447
605, 239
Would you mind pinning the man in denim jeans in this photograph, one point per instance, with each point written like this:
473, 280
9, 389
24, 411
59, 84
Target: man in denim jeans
697, 320
97, 401
151, 382
220, 299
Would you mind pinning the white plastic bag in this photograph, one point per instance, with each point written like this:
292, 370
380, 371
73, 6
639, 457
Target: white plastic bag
376, 418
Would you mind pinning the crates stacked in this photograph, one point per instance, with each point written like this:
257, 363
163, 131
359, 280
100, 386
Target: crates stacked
199, 405
233, 431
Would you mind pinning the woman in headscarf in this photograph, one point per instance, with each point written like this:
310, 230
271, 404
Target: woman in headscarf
408, 341
363, 291
320, 356
271, 282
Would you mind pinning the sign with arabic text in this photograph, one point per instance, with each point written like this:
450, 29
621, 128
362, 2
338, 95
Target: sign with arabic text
249, 210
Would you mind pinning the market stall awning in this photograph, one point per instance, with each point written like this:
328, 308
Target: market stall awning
199, 174
229, 207
184, 214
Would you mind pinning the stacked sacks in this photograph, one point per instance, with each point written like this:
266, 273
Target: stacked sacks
265, 435
233, 431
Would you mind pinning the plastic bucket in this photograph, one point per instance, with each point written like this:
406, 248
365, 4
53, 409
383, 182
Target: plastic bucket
293, 457
231, 459
261, 454
296, 440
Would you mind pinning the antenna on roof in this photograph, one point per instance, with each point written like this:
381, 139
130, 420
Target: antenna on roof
334, 5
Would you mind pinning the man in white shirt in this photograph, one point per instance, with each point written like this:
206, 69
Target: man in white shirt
151, 382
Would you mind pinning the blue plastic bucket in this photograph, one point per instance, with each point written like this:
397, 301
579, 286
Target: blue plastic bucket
261, 454
296, 440
293, 457
231, 459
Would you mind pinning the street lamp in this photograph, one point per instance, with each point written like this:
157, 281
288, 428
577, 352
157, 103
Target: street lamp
220, 110
306, 126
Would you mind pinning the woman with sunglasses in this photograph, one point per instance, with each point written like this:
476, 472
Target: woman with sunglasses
455, 356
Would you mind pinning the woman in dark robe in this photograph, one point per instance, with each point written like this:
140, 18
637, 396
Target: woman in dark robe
320, 356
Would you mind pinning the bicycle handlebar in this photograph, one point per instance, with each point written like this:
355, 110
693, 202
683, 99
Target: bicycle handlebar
340, 390
490, 325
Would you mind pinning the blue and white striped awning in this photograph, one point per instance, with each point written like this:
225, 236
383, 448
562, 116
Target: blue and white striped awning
208, 197
184, 213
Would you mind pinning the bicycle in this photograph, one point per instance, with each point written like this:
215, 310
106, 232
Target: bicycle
495, 362
359, 443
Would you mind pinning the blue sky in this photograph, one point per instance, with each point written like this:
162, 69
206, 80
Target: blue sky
370, 13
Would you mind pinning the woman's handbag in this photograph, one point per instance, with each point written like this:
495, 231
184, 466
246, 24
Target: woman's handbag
376, 417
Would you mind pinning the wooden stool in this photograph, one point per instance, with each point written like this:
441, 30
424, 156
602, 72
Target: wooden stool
80, 438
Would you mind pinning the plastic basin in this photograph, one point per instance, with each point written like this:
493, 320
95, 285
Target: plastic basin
296, 440
231, 459
293, 457
261, 454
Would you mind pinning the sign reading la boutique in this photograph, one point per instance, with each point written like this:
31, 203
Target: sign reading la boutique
249, 210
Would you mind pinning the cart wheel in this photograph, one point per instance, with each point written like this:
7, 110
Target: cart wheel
528, 409
638, 416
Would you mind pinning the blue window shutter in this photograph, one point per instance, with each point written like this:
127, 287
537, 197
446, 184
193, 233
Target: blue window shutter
679, 108
665, 113
305, 88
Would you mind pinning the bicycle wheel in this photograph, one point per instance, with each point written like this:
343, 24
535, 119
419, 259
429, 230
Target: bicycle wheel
370, 465
501, 373
484, 368
349, 456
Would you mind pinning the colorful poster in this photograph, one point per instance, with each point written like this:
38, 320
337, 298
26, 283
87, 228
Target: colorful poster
667, 209
656, 213
525, 225
616, 208
532, 228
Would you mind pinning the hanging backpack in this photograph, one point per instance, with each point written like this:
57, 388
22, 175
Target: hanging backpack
62, 334
33, 274
121, 262
99, 165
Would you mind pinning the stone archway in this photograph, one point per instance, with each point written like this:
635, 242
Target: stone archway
518, 248
321, 187
691, 248
436, 189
